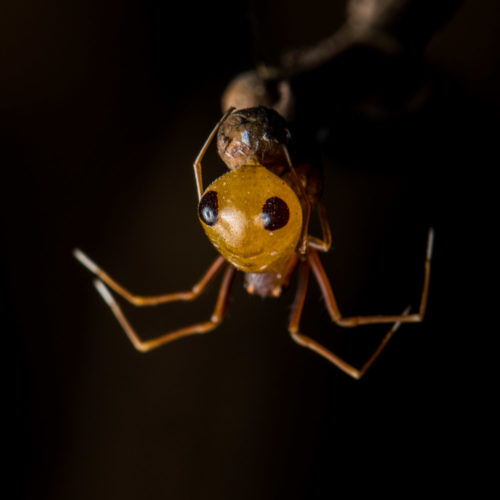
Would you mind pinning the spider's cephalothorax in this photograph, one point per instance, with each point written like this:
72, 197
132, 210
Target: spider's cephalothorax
253, 214
254, 136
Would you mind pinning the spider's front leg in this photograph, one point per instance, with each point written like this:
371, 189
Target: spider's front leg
152, 300
147, 345
197, 162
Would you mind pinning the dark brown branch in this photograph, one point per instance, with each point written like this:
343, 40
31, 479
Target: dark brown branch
392, 26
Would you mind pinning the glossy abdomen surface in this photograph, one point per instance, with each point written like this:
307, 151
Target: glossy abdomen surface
253, 218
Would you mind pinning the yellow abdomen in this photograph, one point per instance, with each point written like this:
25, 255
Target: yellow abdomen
253, 218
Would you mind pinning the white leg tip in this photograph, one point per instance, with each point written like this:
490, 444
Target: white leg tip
430, 243
89, 264
105, 293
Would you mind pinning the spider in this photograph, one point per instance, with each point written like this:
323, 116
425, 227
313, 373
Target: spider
257, 217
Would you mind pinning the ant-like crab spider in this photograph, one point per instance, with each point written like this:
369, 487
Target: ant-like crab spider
257, 217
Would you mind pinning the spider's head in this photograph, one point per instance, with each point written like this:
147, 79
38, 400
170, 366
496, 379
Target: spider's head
253, 218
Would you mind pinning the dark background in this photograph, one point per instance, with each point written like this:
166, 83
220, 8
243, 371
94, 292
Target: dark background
103, 107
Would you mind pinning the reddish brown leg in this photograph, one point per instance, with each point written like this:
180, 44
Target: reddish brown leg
139, 300
202, 327
331, 303
308, 342
324, 244
197, 162
302, 247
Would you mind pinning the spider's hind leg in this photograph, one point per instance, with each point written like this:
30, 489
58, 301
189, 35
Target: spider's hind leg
334, 311
315, 346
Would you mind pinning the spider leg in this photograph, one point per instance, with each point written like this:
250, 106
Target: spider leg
322, 245
139, 300
308, 342
303, 240
201, 154
202, 327
331, 303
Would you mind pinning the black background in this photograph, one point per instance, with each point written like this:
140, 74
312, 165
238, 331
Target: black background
103, 108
